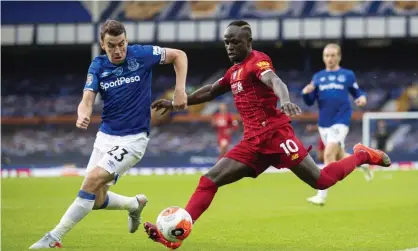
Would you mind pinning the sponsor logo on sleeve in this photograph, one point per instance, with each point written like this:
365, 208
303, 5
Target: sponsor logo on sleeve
89, 79
263, 65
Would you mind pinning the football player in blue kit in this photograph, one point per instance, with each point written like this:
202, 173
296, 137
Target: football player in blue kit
331, 89
123, 79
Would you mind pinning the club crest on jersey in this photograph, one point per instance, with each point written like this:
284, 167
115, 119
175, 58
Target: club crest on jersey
236, 74
89, 79
341, 78
237, 88
132, 64
322, 79
118, 71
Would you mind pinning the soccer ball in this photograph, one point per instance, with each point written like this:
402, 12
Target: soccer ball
174, 223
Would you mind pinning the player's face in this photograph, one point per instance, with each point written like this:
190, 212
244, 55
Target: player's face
115, 47
331, 57
237, 44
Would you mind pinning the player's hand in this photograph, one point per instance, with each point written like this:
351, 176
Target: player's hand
180, 100
361, 101
291, 109
308, 89
83, 121
164, 104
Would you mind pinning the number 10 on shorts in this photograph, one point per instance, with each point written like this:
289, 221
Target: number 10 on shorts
289, 146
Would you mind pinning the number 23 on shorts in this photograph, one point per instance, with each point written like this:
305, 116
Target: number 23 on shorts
118, 153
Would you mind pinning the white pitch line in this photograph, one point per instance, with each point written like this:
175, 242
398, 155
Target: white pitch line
409, 249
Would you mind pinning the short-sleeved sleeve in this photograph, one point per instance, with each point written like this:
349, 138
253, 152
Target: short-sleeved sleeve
151, 54
262, 66
225, 80
92, 81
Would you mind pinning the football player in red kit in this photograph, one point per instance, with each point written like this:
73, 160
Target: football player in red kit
269, 139
225, 124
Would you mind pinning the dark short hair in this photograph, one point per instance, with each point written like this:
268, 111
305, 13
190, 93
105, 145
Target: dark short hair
243, 25
113, 28
238, 23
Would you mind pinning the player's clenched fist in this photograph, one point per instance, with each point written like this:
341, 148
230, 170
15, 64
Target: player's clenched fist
164, 104
180, 100
291, 109
83, 121
308, 89
361, 101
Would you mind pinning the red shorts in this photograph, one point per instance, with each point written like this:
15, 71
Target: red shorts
279, 148
321, 146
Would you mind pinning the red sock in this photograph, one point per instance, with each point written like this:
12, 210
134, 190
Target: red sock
201, 198
337, 171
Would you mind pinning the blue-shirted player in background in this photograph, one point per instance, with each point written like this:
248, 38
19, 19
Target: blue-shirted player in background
331, 88
123, 78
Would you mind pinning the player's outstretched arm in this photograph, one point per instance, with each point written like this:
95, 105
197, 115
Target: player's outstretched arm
179, 59
202, 95
280, 89
85, 109
207, 93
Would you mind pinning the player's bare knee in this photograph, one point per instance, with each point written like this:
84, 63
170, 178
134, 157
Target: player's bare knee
329, 158
213, 174
331, 151
218, 175
321, 156
96, 179
307, 171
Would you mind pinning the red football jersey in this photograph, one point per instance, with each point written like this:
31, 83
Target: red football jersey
255, 101
224, 124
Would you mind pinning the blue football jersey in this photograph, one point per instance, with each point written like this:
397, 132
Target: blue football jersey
332, 89
125, 89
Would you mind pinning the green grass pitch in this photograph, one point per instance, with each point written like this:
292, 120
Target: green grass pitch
268, 213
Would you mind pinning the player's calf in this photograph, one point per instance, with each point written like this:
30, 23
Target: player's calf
102, 199
96, 179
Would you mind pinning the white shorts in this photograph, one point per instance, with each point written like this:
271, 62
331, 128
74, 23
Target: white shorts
334, 134
117, 154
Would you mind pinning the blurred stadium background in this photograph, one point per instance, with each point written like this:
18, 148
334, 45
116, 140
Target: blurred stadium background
47, 48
